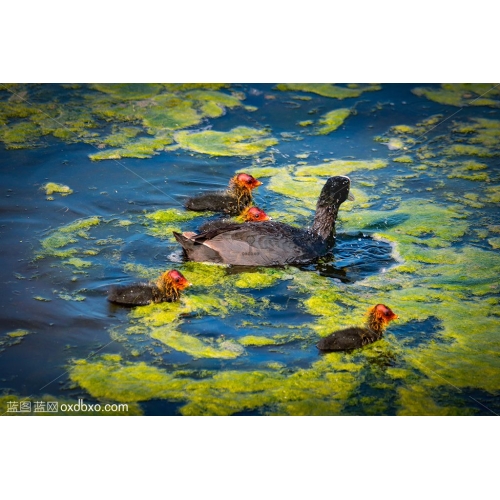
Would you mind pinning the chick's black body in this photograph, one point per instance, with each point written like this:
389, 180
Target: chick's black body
379, 317
220, 201
139, 294
349, 338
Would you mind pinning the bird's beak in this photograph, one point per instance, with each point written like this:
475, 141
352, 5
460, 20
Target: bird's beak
258, 183
350, 197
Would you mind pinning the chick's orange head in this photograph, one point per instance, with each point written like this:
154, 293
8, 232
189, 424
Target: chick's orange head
247, 181
254, 214
177, 279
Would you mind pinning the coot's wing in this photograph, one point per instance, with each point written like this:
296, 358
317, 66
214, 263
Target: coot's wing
131, 295
259, 244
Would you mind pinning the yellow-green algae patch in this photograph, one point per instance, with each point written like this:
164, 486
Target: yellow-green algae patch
322, 389
260, 279
328, 89
142, 148
240, 141
18, 333
494, 242
332, 121
461, 95
339, 167
54, 244
194, 346
78, 263
163, 222
468, 150
255, 340
403, 159
155, 109
129, 91
53, 187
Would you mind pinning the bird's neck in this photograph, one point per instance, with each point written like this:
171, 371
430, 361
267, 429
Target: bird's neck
375, 325
167, 289
242, 194
324, 222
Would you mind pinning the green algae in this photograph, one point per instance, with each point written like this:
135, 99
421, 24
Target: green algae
403, 129
20, 135
403, 159
319, 390
327, 89
332, 121
306, 189
127, 383
494, 242
306, 123
120, 136
216, 98
260, 279
493, 194
254, 340
468, 150
128, 91
240, 141
193, 346
155, 109
142, 148
339, 167
142, 271
78, 263
52, 187
41, 299
12, 338
18, 333
163, 223
461, 95
70, 233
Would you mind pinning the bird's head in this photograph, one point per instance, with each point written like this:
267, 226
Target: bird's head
245, 181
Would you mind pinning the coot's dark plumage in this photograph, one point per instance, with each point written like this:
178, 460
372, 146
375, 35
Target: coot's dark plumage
271, 243
166, 289
379, 317
232, 201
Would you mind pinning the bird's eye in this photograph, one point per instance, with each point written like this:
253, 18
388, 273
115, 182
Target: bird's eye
177, 280
256, 216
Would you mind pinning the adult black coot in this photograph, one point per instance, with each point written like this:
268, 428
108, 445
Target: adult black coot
232, 201
271, 243
379, 317
167, 289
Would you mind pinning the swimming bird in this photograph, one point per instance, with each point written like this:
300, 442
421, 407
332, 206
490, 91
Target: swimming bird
379, 317
250, 214
271, 243
167, 289
232, 201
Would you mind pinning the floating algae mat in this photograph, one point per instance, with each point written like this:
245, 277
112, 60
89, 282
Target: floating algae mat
117, 162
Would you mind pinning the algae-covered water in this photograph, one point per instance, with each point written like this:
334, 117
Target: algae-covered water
94, 178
